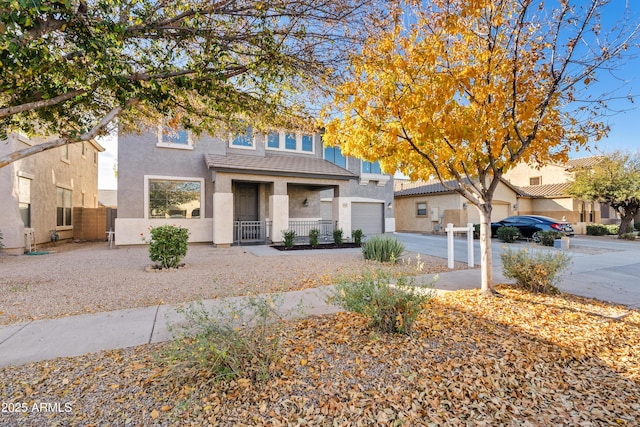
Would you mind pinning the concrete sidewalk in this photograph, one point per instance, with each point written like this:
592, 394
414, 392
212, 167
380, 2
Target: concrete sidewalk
611, 276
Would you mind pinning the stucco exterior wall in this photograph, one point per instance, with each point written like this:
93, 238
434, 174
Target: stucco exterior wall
549, 174
46, 171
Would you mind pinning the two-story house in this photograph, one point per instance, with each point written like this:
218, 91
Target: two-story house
245, 188
40, 192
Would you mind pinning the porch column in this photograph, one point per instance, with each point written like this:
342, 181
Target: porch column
342, 214
222, 219
279, 211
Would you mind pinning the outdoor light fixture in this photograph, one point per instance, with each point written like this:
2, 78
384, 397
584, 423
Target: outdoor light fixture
390, 205
464, 205
305, 203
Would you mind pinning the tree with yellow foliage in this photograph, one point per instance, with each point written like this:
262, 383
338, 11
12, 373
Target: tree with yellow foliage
463, 90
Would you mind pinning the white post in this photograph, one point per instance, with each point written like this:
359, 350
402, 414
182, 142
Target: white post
470, 244
450, 259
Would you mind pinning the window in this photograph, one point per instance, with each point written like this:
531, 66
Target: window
63, 205
290, 141
169, 137
65, 153
24, 200
335, 156
174, 198
421, 209
84, 150
307, 143
243, 140
536, 180
273, 140
371, 167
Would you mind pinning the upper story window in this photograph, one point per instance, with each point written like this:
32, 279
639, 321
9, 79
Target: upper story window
536, 180
290, 141
242, 139
334, 155
65, 153
273, 140
421, 209
371, 167
169, 137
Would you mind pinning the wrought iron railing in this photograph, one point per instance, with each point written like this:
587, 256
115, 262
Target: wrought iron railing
302, 227
251, 231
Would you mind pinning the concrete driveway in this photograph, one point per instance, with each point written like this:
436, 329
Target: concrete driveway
604, 268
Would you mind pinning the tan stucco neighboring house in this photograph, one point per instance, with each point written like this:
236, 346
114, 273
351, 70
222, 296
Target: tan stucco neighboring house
546, 192
429, 207
525, 190
40, 192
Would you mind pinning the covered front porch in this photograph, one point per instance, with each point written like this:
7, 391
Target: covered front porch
256, 207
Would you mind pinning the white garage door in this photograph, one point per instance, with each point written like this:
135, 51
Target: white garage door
368, 217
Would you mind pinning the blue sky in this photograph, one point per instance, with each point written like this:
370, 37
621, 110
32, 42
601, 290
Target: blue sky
623, 83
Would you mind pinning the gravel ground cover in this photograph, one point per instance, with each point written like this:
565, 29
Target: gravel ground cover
519, 360
79, 278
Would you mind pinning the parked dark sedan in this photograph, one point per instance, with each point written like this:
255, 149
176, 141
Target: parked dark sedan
529, 225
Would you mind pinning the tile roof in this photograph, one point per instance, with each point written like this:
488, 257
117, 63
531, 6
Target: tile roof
583, 162
277, 165
430, 187
546, 190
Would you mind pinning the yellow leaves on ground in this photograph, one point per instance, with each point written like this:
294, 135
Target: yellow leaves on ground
523, 359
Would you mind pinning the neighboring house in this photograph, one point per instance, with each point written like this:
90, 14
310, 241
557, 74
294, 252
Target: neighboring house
39, 193
245, 188
429, 207
525, 190
545, 192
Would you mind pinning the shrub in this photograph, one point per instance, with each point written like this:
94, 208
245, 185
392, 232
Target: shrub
288, 238
357, 235
219, 343
612, 229
337, 236
390, 308
636, 225
382, 248
628, 236
536, 271
1, 244
597, 230
476, 231
546, 238
168, 245
314, 235
508, 234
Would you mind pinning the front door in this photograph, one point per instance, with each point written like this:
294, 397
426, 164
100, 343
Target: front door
247, 227
246, 202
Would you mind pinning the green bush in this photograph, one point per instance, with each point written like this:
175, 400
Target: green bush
546, 238
338, 236
390, 308
382, 248
508, 234
612, 229
536, 271
1, 244
314, 235
597, 230
230, 342
476, 231
168, 245
288, 238
628, 236
357, 236
636, 225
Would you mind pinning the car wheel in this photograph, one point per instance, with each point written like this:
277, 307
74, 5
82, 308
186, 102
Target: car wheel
535, 237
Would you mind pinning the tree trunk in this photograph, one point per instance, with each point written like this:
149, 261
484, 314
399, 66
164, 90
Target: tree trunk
627, 220
486, 265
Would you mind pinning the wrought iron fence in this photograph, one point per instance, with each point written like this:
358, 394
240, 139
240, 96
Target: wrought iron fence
302, 227
250, 231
